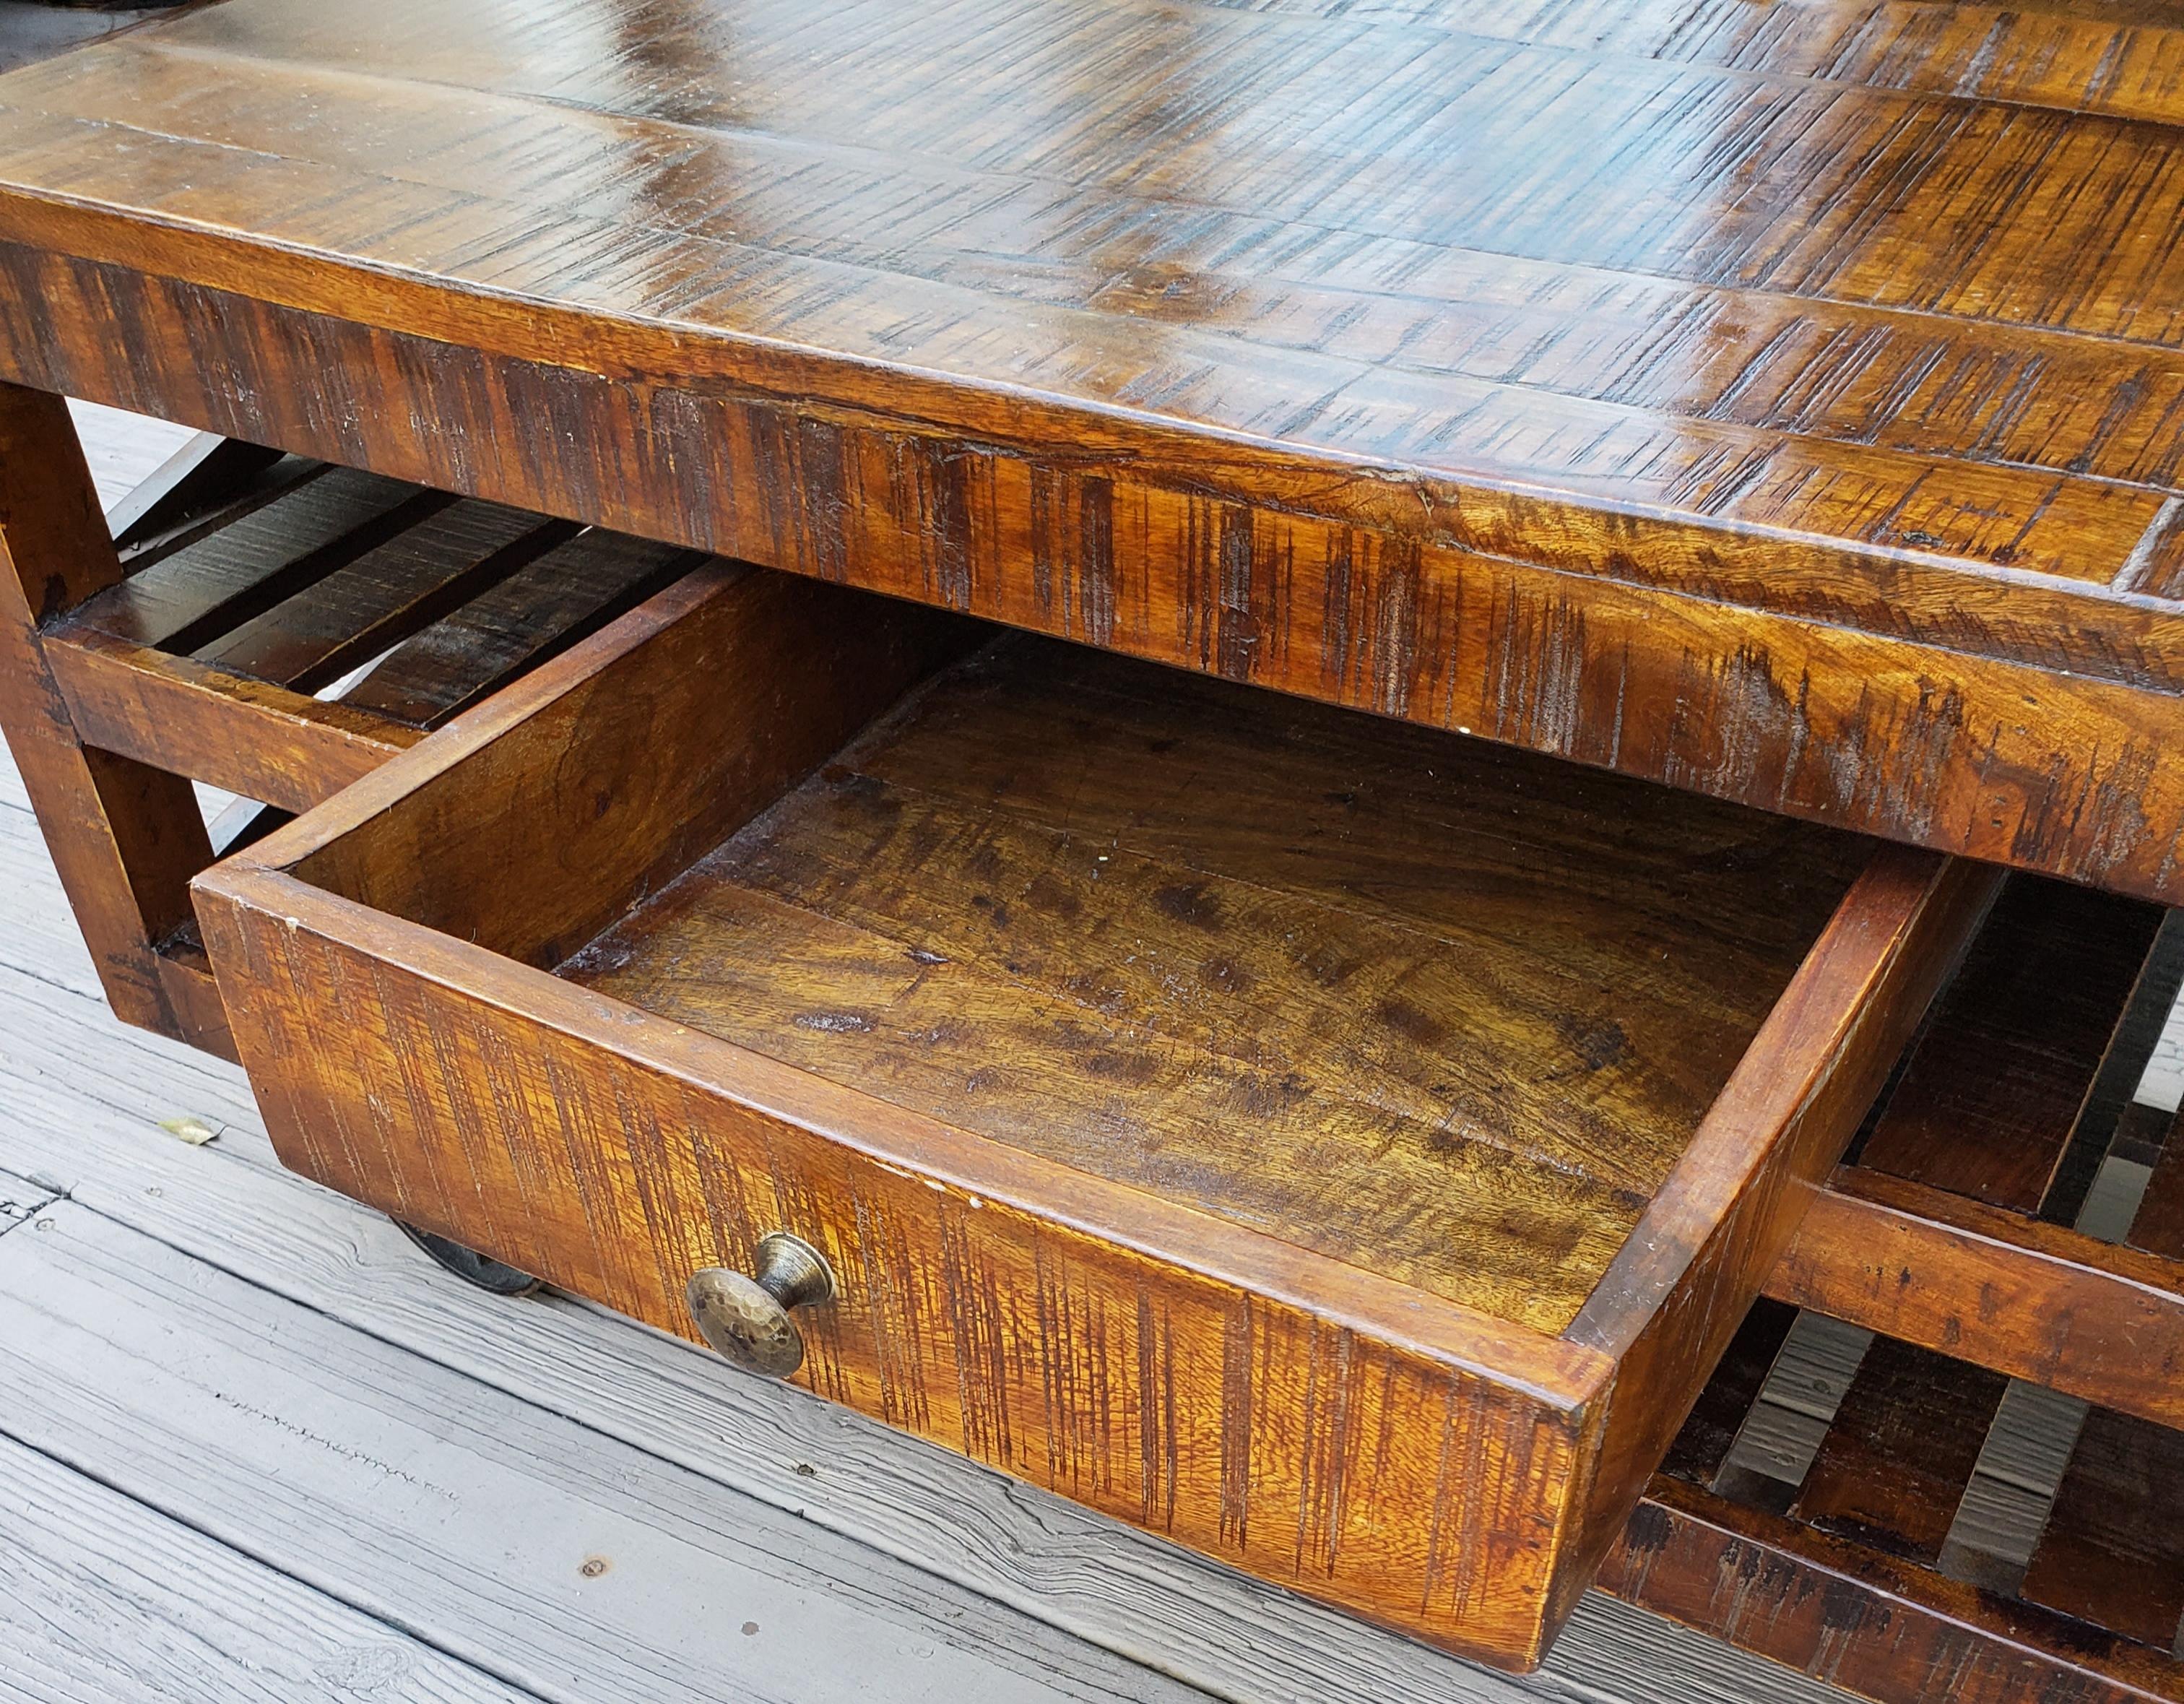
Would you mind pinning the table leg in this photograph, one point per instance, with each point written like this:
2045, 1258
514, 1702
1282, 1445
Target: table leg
125, 837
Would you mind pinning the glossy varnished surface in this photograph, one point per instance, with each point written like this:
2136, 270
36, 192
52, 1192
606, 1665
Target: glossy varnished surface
1211, 1105
1443, 1012
1753, 289
1785, 401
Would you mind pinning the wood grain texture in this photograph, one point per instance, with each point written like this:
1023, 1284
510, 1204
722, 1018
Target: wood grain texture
2159, 1226
105, 1599
1887, 1629
542, 608
1789, 410
1243, 1393
1900, 1450
1257, 958
190, 718
2114, 1551
1674, 1298
127, 837
2035, 1301
309, 1445
1990, 1099
1710, 1432
83, 1097
354, 614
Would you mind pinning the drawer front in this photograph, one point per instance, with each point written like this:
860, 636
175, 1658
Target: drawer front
1383, 1476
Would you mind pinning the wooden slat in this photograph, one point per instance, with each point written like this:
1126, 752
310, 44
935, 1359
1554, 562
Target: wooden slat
1708, 1436
544, 607
243, 568
1887, 1629
262, 742
1902, 1448
141, 549
205, 473
350, 616
1988, 1103
2114, 1551
2013, 1294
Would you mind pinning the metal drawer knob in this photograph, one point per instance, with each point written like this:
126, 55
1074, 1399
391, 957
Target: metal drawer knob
747, 1319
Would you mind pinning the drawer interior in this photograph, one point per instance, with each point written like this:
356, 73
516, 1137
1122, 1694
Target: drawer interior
1441, 1010
1423, 1006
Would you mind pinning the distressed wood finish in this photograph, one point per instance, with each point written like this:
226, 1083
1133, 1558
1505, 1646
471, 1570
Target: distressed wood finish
1887, 1629
1900, 1452
1990, 1101
1789, 407
127, 837
1266, 1373
1954, 1230
237, 587
2035, 1301
1847, 1575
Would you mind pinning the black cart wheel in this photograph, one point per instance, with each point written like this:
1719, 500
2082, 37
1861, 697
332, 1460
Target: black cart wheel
469, 1265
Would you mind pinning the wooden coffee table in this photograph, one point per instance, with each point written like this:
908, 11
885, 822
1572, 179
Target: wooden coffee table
1783, 403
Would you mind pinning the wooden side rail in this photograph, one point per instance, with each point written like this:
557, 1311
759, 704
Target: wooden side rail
251, 738
1966, 1225
2035, 1301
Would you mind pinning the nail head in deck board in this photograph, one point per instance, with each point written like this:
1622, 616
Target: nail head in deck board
106, 1598
1807, 483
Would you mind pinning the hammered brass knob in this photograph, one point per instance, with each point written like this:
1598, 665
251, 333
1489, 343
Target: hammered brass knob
747, 1319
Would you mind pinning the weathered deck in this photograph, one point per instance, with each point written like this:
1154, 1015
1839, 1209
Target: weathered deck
252, 1446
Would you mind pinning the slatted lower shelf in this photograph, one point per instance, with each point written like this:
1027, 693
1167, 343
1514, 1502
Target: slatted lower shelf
285, 626
299, 623
1860, 1574
1988, 1500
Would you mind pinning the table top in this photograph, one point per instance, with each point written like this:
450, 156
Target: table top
1781, 399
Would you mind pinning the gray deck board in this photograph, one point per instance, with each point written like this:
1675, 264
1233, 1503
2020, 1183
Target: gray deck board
108, 1599
267, 1385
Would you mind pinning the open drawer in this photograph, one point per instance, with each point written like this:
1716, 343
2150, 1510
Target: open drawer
1343, 1148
